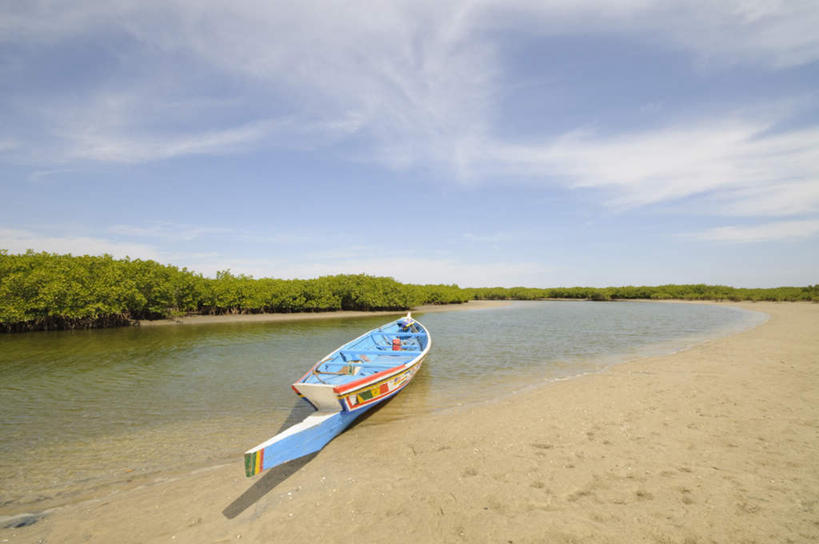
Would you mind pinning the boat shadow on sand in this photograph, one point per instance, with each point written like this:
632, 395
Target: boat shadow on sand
279, 474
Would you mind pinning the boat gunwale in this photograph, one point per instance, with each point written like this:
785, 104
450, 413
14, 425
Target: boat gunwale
384, 375
346, 406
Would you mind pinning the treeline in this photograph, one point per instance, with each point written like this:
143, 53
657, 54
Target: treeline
50, 291
659, 292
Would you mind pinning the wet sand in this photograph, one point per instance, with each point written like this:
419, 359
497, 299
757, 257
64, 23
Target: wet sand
303, 316
718, 443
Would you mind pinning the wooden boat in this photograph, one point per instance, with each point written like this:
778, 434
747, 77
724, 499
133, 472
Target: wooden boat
343, 385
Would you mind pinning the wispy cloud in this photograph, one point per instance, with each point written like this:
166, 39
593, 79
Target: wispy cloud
771, 33
767, 232
404, 269
774, 32
416, 83
778, 33
109, 146
169, 231
40, 175
161, 232
793, 198
417, 80
20, 240
735, 160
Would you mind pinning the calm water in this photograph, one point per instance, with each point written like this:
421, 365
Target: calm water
81, 409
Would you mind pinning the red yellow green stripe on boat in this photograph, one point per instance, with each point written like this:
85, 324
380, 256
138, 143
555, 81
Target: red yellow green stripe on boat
378, 391
254, 462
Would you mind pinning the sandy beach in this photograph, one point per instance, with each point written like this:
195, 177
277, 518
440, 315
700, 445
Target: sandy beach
718, 443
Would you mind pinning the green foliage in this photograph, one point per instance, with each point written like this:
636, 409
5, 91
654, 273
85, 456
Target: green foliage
46, 291
659, 292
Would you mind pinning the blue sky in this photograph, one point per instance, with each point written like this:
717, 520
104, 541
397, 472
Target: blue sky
479, 143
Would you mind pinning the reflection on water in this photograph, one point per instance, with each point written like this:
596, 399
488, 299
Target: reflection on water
82, 408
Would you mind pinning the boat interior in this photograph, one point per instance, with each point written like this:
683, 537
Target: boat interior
393, 344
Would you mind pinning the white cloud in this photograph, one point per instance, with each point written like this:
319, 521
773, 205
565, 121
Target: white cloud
115, 146
418, 78
39, 175
767, 232
403, 269
165, 232
416, 83
777, 32
400, 73
773, 33
19, 241
794, 198
750, 171
140, 125
169, 231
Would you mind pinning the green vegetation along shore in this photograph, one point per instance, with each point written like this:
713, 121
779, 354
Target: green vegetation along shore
50, 291
659, 292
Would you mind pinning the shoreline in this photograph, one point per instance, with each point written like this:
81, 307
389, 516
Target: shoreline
716, 442
426, 308
305, 316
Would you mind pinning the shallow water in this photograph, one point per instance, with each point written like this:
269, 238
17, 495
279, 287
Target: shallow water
81, 409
